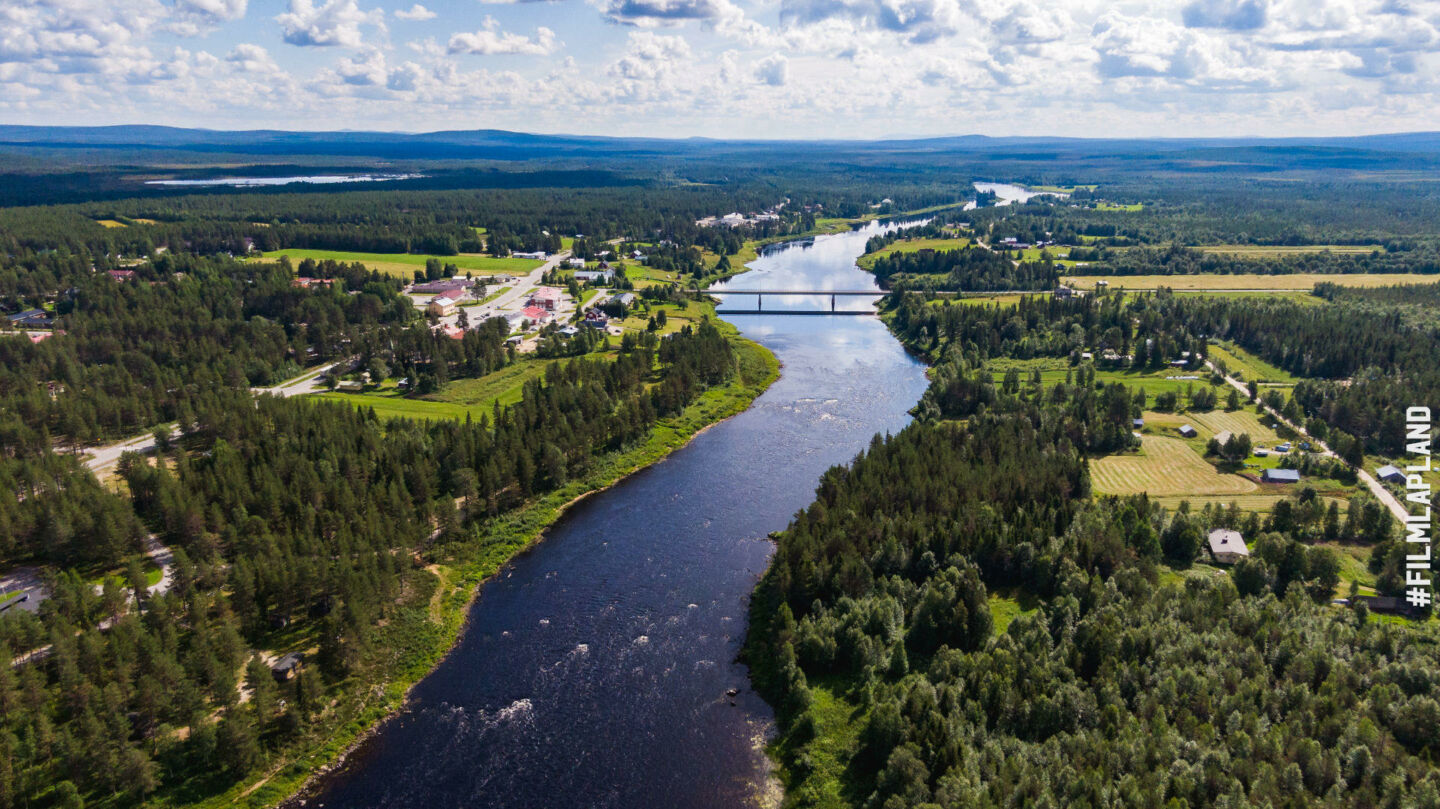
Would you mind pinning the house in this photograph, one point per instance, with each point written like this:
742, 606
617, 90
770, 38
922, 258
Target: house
569, 331
594, 276
1390, 474
1223, 437
285, 669
1138, 423
1391, 604
576, 263
538, 255
536, 315
1188, 431
1063, 291
302, 282
32, 318
1228, 547
626, 299
547, 298
515, 320
121, 275
350, 386
1280, 476
441, 306
450, 287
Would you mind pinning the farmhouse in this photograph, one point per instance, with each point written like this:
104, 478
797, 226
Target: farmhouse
285, 669
602, 276
1228, 547
441, 306
1188, 431
1280, 476
546, 298
1390, 474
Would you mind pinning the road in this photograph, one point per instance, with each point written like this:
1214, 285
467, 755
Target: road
1381, 493
100, 458
523, 287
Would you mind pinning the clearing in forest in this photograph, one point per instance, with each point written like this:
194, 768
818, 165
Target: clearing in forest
1164, 467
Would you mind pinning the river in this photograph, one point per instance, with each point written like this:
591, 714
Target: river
594, 669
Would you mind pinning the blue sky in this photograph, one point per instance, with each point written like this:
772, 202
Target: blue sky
729, 68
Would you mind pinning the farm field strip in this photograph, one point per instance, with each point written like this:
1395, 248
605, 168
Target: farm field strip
1248, 281
405, 264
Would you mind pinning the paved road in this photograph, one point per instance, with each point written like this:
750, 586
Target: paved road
523, 286
100, 458
1381, 493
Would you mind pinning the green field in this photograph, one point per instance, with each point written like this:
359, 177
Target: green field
473, 397
1130, 207
1053, 370
1008, 605
1165, 467
868, 260
404, 265
1300, 281
1248, 367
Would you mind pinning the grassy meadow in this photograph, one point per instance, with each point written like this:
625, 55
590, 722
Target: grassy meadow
404, 265
1300, 281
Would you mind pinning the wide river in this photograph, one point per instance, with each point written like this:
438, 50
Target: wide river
594, 669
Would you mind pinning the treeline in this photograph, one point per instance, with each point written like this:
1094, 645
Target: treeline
1177, 260
967, 269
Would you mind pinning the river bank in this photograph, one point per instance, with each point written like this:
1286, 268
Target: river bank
439, 596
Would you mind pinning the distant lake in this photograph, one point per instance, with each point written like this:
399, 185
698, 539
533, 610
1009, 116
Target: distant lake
1013, 193
317, 179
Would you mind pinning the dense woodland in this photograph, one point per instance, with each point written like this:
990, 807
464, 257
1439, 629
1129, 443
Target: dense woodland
1127, 683
296, 522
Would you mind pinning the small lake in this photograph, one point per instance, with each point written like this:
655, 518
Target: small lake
1009, 193
250, 182
594, 669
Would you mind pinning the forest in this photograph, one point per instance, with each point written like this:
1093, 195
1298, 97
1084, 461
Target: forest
1125, 677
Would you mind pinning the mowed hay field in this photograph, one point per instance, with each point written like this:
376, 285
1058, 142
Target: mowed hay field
1163, 467
404, 265
1293, 282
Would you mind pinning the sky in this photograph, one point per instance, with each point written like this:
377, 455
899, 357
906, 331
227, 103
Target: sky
730, 68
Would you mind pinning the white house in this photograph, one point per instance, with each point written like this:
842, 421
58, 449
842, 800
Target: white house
1227, 546
576, 263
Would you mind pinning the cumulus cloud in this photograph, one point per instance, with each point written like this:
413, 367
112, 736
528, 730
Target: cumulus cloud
650, 56
490, 40
919, 21
773, 70
416, 13
250, 58
335, 22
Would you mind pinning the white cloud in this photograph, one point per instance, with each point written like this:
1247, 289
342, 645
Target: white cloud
490, 40
655, 13
250, 58
773, 70
335, 22
416, 13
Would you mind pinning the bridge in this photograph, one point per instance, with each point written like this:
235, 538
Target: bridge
833, 293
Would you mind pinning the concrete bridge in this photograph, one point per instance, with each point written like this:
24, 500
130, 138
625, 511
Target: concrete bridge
833, 293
